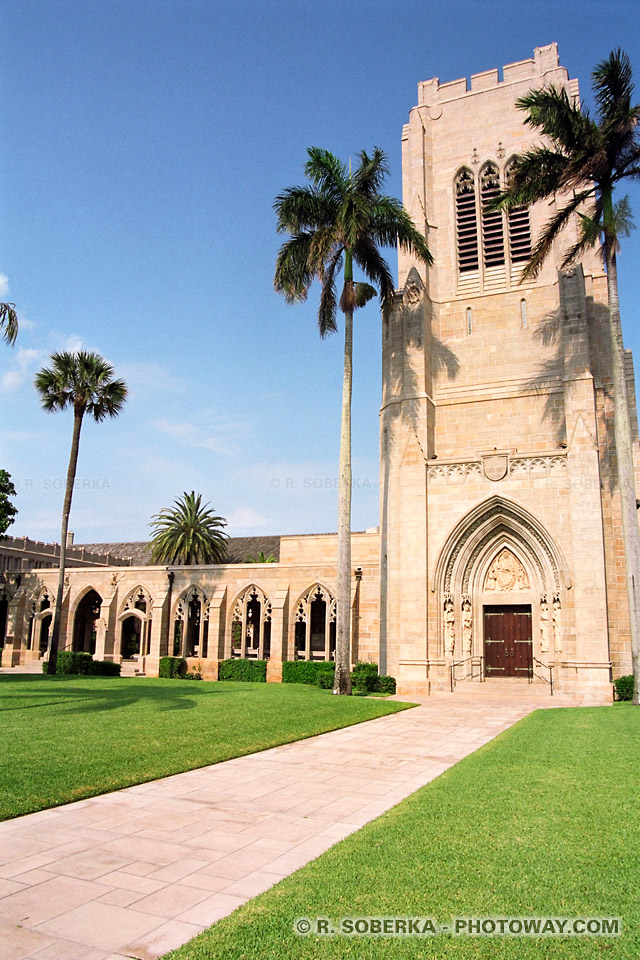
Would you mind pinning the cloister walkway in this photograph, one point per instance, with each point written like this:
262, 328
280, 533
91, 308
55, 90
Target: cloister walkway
140, 871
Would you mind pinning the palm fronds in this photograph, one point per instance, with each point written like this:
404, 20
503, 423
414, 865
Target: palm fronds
188, 533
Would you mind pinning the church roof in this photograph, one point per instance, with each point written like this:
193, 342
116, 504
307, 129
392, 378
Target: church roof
239, 549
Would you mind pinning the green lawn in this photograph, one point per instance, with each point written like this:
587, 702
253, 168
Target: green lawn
542, 821
65, 738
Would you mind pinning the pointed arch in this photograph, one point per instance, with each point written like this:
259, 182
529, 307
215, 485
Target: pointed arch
249, 628
485, 524
466, 220
190, 619
314, 623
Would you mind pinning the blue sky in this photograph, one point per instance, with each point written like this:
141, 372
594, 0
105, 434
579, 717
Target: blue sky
144, 143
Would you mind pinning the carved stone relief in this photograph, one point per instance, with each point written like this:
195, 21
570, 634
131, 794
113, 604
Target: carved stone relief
544, 624
467, 624
557, 623
506, 573
449, 624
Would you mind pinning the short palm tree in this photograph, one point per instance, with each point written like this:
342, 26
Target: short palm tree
8, 322
584, 159
262, 557
85, 383
188, 533
340, 219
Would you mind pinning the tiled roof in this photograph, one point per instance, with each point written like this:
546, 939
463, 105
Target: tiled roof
239, 549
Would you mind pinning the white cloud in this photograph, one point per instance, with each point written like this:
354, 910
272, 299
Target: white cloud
4, 285
25, 362
220, 434
246, 518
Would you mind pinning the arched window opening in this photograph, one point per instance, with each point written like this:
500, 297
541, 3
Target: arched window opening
135, 638
191, 625
251, 626
315, 626
492, 227
469, 321
523, 313
85, 623
519, 226
466, 221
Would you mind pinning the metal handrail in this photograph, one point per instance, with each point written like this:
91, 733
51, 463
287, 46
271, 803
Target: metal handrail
470, 674
545, 666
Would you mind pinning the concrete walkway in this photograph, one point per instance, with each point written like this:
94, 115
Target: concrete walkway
138, 872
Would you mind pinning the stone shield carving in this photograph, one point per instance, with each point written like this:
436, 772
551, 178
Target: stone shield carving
495, 466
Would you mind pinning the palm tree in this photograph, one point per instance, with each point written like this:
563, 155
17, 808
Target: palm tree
262, 557
585, 159
85, 382
8, 322
188, 533
339, 219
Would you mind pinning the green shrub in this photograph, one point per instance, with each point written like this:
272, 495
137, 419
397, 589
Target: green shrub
45, 666
239, 669
324, 679
69, 662
362, 669
306, 671
196, 675
171, 667
624, 687
386, 684
104, 668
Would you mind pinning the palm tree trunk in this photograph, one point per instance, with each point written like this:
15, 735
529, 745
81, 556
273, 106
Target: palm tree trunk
342, 682
626, 473
66, 510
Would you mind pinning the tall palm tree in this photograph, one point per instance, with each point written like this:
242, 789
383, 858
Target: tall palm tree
8, 322
585, 159
84, 382
188, 533
338, 219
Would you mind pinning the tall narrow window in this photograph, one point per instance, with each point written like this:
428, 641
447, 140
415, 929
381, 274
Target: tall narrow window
523, 313
519, 226
469, 321
492, 230
466, 221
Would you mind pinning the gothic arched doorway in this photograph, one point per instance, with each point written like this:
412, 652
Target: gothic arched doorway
85, 623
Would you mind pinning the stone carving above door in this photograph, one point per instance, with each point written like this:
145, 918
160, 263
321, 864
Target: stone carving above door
506, 573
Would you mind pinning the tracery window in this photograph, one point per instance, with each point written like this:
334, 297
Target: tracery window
492, 246
251, 625
315, 625
466, 221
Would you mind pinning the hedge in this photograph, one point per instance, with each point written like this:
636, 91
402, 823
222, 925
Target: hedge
240, 669
171, 667
104, 668
70, 662
306, 671
624, 687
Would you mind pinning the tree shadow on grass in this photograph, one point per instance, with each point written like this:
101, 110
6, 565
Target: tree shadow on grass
174, 695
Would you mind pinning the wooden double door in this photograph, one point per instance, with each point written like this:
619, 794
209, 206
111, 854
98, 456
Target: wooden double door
508, 641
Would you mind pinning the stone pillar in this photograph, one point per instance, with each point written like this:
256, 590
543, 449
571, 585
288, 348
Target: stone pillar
588, 661
217, 616
407, 418
279, 634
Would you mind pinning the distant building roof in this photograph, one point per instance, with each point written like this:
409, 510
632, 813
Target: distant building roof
239, 549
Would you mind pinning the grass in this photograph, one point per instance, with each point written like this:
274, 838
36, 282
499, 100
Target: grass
542, 821
65, 738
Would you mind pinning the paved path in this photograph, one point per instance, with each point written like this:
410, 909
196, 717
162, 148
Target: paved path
138, 872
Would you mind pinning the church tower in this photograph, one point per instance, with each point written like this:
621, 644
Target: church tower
500, 537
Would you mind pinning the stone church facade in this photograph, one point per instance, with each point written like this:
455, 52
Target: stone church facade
499, 557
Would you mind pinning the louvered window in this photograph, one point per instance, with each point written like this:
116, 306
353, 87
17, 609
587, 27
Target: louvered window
466, 221
492, 229
519, 227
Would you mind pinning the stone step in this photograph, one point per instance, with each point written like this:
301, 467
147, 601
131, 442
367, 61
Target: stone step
130, 668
